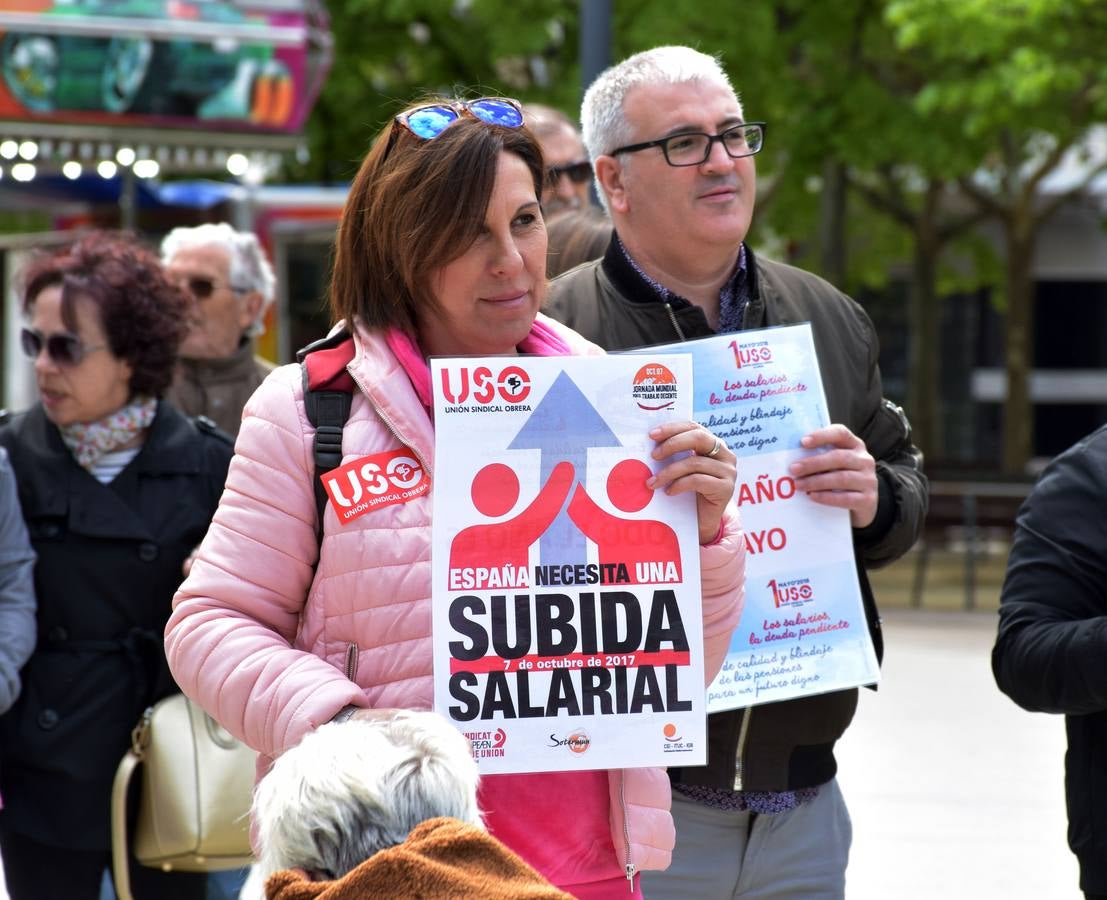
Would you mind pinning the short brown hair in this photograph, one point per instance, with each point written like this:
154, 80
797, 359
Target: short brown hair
144, 316
414, 206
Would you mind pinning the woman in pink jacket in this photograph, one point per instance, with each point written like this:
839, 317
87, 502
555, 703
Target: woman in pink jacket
441, 251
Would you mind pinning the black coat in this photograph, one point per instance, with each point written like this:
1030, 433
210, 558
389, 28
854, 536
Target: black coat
1051, 650
109, 562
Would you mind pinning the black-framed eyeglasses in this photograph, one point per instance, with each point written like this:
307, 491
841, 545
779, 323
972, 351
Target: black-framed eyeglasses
63, 347
691, 148
577, 172
202, 287
428, 122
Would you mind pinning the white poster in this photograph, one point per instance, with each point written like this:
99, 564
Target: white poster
803, 628
566, 593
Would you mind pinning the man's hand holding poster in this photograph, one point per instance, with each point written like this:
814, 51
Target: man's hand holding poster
803, 629
566, 593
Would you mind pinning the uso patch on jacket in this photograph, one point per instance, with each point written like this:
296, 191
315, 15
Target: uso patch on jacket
374, 482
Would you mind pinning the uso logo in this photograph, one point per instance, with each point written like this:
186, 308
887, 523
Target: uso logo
791, 593
482, 386
373, 482
753, 354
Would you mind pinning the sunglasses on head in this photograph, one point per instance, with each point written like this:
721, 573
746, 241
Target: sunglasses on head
63, 347
578, 172
428, 122
201, 288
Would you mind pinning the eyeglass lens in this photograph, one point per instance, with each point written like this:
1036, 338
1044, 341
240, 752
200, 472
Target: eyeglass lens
496, 112
430, 121
693, 149
64, 349
201, 288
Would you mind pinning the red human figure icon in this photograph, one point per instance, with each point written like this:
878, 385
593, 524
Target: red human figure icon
648, 548
495, 492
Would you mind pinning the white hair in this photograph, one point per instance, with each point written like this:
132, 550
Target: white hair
249, 270
350, 789
604, 126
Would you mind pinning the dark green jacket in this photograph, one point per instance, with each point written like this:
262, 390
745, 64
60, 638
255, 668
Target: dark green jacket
790, 744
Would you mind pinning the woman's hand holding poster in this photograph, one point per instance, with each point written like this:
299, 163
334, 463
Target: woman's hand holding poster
566, 594
803, 630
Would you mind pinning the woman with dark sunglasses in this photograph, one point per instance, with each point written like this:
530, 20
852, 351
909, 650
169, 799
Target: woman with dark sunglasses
116, 489
441, 251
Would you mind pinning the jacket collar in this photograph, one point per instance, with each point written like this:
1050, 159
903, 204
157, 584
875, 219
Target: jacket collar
171, 447
55, 486
632, 284
626, 279
386, 385
240, 364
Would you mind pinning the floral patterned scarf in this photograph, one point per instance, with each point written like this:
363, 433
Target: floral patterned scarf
88, 441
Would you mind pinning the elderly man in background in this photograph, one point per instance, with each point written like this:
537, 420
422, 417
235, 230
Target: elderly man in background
673, 155
231, 284
568, 172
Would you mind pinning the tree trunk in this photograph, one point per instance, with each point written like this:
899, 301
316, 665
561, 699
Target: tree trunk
924, 406
832, 224
1018, 411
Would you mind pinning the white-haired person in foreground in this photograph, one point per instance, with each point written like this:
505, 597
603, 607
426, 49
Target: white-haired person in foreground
383, 808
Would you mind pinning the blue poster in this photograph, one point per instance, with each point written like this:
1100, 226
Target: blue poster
803, 628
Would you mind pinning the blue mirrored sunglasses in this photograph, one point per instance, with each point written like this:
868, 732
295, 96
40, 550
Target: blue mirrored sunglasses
430, 121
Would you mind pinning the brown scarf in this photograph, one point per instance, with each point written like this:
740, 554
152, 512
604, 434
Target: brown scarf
441, 858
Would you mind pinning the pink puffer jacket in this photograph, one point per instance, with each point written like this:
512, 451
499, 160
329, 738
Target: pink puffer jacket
243, 643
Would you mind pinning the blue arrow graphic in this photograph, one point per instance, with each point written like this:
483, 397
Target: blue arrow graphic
563, 426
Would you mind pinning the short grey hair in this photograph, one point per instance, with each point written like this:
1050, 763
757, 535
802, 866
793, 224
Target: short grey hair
249, 268
350, 789
604, 125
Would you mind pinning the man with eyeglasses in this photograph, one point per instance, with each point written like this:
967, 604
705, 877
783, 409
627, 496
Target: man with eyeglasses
231, 284
674, 159
568, 172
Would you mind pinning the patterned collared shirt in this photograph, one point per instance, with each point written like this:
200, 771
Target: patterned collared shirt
734, 296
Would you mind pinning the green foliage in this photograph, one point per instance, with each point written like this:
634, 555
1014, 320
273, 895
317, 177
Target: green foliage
916, 99
1008, 65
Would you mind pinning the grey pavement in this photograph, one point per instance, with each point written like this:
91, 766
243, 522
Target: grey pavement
954, 791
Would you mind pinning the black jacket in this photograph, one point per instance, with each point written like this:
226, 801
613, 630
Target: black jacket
1051, 650
109, 561
787, 745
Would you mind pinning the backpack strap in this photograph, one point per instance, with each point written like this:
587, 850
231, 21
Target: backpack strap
328, 393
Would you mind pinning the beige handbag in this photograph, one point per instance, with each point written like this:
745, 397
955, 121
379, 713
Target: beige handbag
195, 791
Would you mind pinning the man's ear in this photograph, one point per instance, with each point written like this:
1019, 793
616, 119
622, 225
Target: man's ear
251, 308
609, 173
